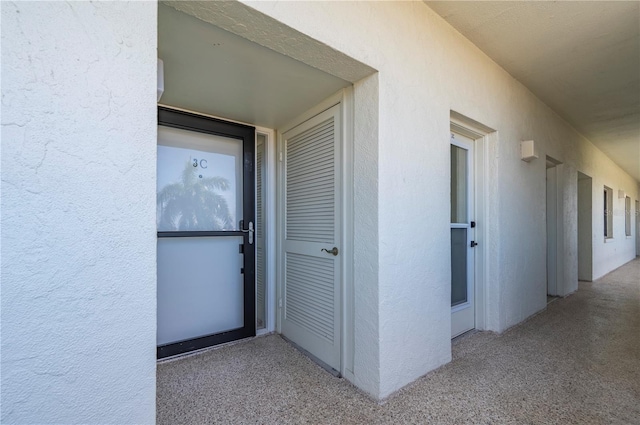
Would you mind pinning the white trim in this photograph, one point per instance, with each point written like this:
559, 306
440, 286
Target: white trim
628, 230
468, 127
459, 307
270, 228
348, 296
271, 220
329, 102
261, 332
560, 230
278, 230
484, 218
485, 139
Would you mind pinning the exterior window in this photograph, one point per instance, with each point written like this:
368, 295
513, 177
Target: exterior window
608, 212
627, 216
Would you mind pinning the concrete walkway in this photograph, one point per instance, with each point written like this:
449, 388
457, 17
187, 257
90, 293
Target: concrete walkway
577, 362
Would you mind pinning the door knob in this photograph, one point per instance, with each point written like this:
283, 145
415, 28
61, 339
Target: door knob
333, 251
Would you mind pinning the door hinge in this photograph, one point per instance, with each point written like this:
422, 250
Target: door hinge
280, 303
473, 224
280, 157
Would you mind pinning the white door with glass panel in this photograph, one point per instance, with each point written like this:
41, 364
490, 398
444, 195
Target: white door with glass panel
311, 232
205, 258
462, 235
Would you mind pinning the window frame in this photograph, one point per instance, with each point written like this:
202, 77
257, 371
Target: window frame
608, 212
627, 216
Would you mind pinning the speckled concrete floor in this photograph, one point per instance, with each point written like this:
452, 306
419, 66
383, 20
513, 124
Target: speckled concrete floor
577, 362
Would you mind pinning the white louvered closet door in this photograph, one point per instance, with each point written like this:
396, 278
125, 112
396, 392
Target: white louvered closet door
311, 290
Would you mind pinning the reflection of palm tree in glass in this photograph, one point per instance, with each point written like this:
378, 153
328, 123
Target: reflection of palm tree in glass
194, 204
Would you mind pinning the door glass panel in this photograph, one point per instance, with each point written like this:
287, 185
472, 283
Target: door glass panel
200, 287
458, 266
199, 184
458, 185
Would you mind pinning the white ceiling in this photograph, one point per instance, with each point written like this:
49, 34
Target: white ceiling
580, 58
215, 72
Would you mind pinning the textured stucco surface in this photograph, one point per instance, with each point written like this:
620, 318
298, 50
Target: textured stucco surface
366, 355
78, 192
78, 212
264, 30
433, 70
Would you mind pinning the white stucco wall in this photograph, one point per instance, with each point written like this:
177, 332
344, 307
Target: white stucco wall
78, 197
78, 212
425, 70
615, 252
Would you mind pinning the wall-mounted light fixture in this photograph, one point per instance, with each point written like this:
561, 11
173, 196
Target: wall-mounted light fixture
160, 78
528, 150
621, 194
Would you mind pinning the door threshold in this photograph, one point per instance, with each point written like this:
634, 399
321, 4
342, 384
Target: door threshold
463, 335
207, 349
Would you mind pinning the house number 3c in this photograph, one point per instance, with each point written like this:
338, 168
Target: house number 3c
202, 163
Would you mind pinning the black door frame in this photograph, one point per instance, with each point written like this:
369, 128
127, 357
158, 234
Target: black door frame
188, 121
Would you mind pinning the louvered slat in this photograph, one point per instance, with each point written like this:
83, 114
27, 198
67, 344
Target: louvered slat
309, 293
310, 184
317, 132
259, 166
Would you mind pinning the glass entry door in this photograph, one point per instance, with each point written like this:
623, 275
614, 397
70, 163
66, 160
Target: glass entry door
205, 223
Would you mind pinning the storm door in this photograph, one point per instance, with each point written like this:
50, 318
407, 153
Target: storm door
205, 224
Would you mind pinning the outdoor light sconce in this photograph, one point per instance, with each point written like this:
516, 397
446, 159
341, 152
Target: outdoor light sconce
528, 150
160, 78
621, 194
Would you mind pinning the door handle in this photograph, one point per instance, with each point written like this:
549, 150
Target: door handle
249, 230
333, 251
473, 244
